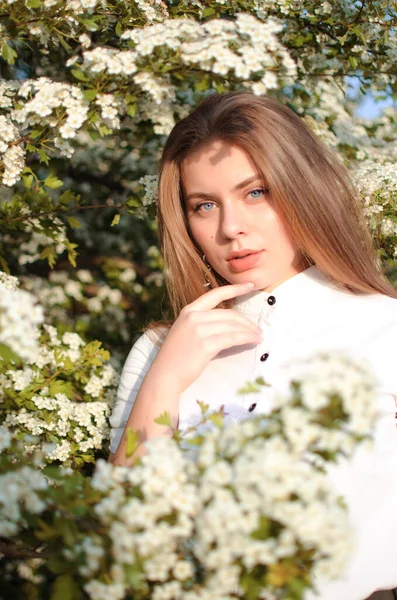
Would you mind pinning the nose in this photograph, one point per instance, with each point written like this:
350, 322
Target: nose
232, 221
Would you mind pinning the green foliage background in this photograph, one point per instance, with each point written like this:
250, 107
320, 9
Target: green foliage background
77, 214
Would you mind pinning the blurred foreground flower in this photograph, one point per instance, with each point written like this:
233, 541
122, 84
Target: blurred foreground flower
243, 511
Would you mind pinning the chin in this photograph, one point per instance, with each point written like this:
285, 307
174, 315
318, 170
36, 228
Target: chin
245, 278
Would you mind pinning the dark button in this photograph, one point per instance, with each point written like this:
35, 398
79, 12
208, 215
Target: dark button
252, 407
271, 300
264, 357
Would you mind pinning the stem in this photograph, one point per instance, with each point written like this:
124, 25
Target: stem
360, 11
21, 553
47, 381
65, 210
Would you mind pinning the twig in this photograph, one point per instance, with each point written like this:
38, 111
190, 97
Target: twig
64, 210
22, 553
360, 11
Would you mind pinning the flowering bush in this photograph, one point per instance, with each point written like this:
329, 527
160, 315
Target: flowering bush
240, 511
58, 400
89, 89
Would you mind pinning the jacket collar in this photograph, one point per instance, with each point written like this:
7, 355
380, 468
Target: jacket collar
307, 284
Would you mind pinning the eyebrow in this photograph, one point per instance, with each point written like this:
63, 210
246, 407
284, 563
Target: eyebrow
239, 186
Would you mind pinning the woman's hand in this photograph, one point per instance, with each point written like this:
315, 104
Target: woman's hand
199, 334
196, 337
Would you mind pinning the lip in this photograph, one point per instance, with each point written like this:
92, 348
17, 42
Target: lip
240, 253
238, 265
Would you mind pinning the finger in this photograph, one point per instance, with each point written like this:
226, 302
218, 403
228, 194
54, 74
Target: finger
214, 297
221, 341
226, 316
205, 331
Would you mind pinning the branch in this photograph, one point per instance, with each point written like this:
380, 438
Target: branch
360, 11
9, 552
64, 210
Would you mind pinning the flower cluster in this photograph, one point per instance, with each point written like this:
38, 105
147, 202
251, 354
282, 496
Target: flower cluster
149, 184
31, 250
60, 403
246, 48
377, 183
48, 102
20, 489
219, 512
12, 154
254, 509
39, 106
110, 108
20, 316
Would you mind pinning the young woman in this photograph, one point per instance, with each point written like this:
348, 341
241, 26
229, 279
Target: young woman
267, 260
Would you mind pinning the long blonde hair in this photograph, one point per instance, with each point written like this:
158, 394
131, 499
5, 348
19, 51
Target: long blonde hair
310, 189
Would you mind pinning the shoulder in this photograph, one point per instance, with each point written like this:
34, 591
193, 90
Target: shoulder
145, 348
382, 308
376, 307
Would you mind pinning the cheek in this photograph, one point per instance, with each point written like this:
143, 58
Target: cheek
277, 230
202, 236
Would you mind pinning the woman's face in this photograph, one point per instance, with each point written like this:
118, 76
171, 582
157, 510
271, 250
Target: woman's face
230, 215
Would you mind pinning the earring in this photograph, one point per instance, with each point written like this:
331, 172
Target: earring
207, 264
205, 261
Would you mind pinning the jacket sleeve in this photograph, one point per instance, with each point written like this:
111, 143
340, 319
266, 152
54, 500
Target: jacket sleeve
138, 363
368, 483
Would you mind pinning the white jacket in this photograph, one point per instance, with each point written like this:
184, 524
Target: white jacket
305, 315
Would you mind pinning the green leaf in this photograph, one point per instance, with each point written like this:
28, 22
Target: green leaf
132, 442
46, 532
262, 382
104, 130
91, 24
64, 43
44, 158
8, 53
90, 95
119, 29
216, 419
4, 265
203, 406
203, 85
74, 222
164, 419
61, 387
53, 182
49, 253
298, 41
65, 588
209, 12
68, 198
72, 253
34, 3
249, 388
35, 133
220, 88
133, 203
27, 181
353, 62
8, 355
132, 110
79, 75
116, 220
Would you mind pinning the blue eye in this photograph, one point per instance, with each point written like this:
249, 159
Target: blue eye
207, 206
258, 193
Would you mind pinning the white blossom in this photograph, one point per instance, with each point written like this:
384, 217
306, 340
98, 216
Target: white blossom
20, 316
